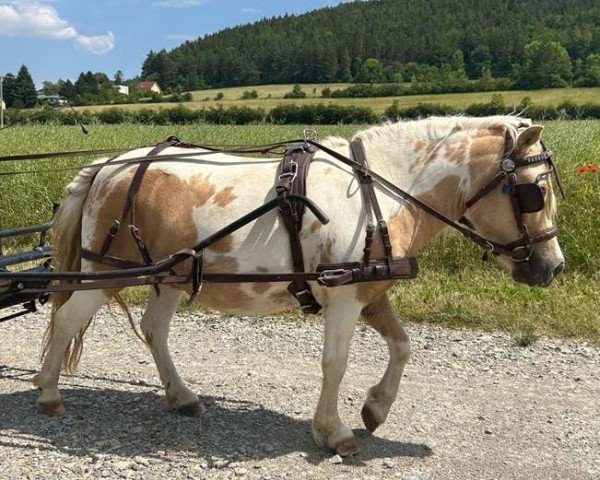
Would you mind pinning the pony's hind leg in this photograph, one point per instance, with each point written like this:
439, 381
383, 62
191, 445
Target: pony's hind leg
341, 314
380, 397
155, 328
71, 319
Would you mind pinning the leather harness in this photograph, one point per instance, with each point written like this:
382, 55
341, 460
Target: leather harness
292, 204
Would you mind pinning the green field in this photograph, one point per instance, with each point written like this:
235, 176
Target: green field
270, 96
454, 288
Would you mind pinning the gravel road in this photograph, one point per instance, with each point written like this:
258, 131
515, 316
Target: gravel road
471, 406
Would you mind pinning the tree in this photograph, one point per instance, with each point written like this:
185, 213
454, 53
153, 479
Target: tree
344, 67
67, 90
458, 65
118, 78
480, 61
545, 64
370, 71
591, 75
9, 92
25, 93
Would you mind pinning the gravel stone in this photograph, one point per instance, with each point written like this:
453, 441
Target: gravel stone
472, 405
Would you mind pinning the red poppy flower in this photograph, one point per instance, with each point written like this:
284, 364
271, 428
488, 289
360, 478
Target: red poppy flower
581, 169
593, 168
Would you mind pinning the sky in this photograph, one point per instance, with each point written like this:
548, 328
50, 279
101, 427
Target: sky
61, 38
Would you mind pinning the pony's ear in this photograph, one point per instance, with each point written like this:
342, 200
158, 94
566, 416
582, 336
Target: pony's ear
528, 137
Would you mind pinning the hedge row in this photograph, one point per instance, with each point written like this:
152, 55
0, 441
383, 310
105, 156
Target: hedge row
180, 115
295, 114
563, 111
421, 88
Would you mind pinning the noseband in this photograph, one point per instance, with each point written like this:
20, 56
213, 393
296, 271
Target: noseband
525, 198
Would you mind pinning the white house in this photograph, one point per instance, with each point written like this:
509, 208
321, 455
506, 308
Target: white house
122, 89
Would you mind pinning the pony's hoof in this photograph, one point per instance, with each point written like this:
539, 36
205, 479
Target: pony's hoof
369, 418
191, 409
347, 448
52, 408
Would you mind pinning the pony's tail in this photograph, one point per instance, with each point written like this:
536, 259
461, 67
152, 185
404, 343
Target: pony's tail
66, 257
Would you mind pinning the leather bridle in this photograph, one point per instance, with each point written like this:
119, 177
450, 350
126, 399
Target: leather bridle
525, 198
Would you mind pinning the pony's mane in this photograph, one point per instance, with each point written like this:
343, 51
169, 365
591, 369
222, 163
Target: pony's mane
437, 128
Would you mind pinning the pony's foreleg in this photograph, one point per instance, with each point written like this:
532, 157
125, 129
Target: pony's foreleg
70, 319
155, 328
341, 314
380, 397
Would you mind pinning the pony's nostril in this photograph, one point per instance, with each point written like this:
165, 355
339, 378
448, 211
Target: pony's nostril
559, 268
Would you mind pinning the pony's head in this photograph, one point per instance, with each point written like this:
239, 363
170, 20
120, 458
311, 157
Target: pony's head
512, 202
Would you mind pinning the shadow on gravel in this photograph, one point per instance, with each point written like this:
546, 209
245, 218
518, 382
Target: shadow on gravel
129, 423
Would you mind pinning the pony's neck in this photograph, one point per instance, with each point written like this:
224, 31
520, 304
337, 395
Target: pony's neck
435, 172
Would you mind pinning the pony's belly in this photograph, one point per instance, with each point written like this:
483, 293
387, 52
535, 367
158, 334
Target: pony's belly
246, 299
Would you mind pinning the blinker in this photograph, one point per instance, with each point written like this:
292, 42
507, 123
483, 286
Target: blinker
530, 197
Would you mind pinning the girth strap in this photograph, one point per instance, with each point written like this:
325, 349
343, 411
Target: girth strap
292, 181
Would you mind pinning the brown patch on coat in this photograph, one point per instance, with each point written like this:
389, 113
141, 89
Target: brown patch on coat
429, 153
203, 188
224, 197
380, 315
367, 292
223, 296
163, 209
280, 296
443, 197
455, 152
221, 264
418, 145
262, 269
261, 287
225, 245
314, 226
164, 214
325, 250
486, 146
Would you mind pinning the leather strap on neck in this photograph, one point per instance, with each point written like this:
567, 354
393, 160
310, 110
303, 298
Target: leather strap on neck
371, 205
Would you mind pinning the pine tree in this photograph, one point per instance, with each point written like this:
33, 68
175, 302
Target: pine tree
26, 95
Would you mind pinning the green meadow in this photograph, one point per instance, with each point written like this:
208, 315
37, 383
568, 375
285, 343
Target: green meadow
270, 96
455, 288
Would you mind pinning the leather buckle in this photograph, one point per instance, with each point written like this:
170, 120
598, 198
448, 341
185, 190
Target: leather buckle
291, 174
334, 277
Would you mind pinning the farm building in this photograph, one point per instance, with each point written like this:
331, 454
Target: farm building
148, 87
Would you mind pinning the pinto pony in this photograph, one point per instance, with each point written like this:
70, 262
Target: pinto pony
444, 162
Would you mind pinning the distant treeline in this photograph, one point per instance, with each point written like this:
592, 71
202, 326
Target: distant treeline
540, 44
299, 114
